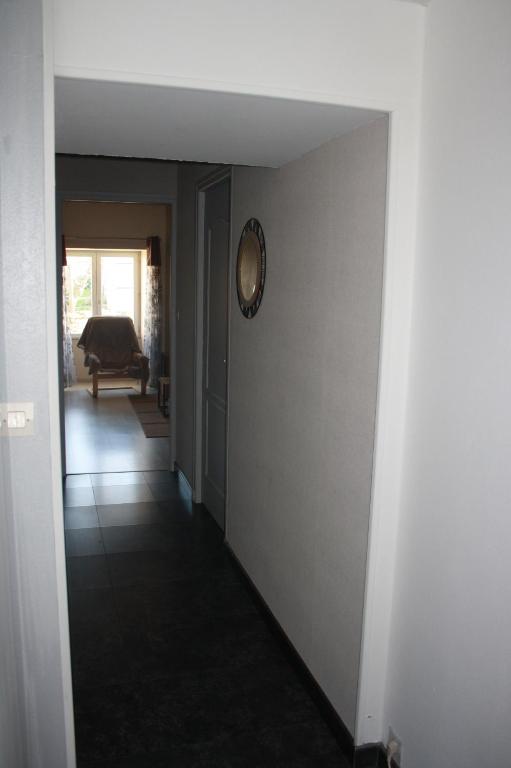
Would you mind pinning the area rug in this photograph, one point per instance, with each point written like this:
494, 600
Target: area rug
110, 389
151, 419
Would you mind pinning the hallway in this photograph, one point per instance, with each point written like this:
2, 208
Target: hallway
173, 663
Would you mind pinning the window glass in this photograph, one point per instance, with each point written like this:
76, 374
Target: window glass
100, 283
80, 298
118, 285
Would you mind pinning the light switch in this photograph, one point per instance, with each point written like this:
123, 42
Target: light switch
16, 419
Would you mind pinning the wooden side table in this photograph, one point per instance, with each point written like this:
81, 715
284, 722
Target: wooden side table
163, 394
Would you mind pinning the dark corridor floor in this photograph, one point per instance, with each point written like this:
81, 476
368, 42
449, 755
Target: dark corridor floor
173, 664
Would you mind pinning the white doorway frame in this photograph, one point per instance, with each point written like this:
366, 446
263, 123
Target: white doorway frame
393, 382
393, 386
63, 196
200, 204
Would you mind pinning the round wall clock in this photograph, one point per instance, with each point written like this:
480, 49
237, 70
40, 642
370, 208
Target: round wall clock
251, 268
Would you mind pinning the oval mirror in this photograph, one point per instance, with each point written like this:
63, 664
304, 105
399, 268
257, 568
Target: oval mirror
251, 267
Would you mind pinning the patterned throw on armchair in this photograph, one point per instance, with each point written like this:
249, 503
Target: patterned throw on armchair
112, 351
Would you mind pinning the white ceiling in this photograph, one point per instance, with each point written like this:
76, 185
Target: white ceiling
131, 120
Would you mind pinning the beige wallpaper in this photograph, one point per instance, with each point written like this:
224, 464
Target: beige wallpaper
303, 383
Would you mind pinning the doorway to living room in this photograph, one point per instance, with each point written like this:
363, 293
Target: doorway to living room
115, 347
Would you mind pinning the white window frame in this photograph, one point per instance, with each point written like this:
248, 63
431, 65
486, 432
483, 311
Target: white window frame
96, 254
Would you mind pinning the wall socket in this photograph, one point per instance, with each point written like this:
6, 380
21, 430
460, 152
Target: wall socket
394, 749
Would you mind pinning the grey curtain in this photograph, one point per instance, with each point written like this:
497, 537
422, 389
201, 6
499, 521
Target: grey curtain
152, 316
67, 341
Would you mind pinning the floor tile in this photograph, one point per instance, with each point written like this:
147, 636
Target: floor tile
77, 481
122, 494
140, 513
88, 572
97, 653
160, 476
92, 608
98, 662
165, 491
179, 510
84, 541
236, 749
306, 744
78, 497
230, 648
173, 662
118, 478
104, 435
207, 720
181, 604
137, 538
132, 568
80, 517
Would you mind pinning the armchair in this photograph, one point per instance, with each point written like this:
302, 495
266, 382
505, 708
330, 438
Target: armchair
112, 351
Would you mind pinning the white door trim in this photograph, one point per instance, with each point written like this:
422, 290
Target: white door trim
201, 187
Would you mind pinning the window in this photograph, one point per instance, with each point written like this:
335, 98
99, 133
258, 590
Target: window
103, 283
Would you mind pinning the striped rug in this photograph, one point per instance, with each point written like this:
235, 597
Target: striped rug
151, 419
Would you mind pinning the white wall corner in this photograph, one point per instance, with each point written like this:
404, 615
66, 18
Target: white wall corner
53, 376
390, 424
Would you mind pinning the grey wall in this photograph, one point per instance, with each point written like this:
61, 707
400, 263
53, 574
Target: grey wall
36, 729
189, 175
303, 381
109, 175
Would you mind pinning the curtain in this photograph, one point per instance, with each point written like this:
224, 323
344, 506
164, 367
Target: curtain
152, 314
67, 352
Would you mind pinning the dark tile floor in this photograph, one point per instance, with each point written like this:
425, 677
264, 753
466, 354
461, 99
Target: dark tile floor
173, 665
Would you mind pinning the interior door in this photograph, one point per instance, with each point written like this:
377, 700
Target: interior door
216, 282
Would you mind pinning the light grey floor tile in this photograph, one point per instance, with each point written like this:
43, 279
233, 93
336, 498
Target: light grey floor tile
104, 435
78, 497
140, 513
118, 478
84, 541
78, 481
80, 517
122, 494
